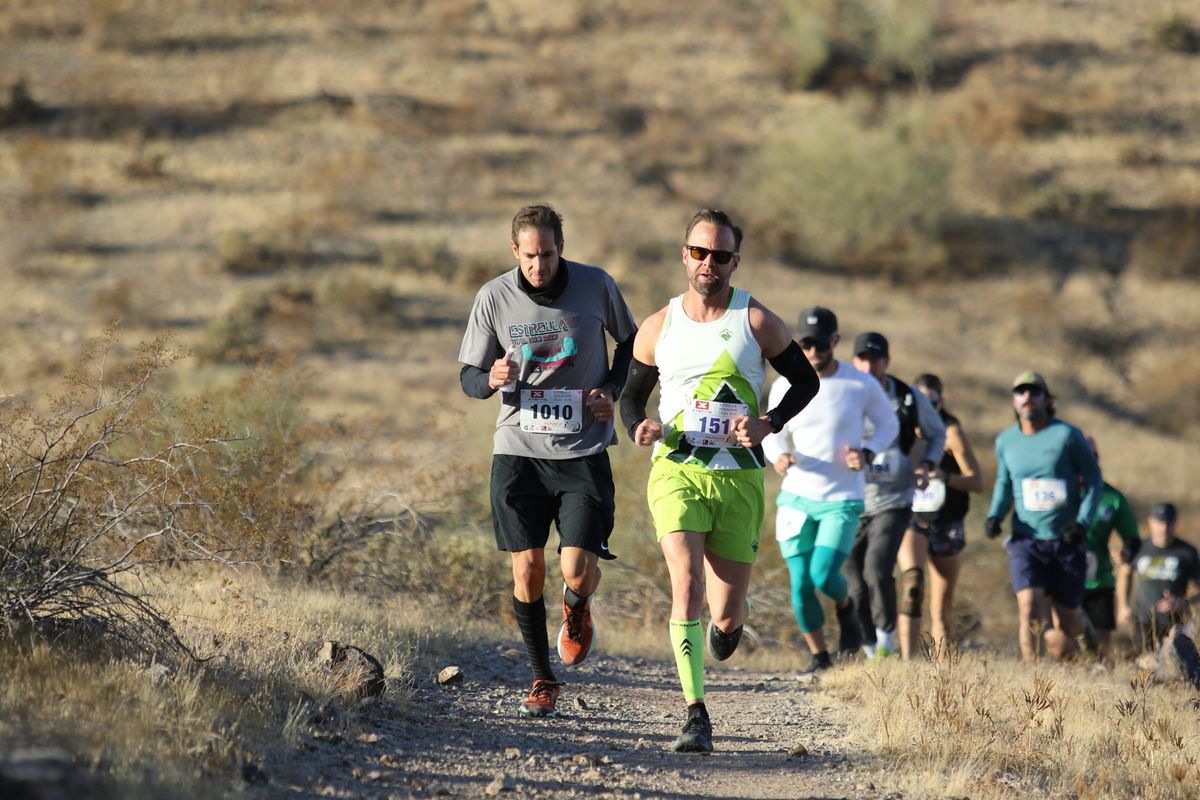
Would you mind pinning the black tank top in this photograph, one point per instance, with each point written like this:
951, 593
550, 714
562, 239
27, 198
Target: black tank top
957, 501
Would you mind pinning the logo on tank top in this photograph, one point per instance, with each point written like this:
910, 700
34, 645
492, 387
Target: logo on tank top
726, 334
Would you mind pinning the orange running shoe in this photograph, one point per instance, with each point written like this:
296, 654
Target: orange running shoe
542, 700
576, 634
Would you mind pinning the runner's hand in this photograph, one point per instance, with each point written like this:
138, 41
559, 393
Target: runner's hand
750, 431
504, 370
992, 528
783, 462
648, 432
854, 459
601, 403
1073, 533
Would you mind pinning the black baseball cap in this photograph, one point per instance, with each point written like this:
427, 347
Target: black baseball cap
1164, 512
871, 342
817, 322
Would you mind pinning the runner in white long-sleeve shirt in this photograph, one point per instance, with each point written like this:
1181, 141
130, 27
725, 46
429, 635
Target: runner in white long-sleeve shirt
821, 454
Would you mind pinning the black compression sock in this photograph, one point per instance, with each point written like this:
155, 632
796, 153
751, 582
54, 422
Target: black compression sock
573, 601
531, 619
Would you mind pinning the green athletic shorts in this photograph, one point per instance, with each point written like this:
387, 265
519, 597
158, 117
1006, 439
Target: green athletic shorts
725, 504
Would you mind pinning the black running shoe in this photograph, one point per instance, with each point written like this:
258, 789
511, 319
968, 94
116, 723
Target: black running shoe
697, 732
820, 662
721, 644
850, 638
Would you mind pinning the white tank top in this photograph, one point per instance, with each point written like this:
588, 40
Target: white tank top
709, 373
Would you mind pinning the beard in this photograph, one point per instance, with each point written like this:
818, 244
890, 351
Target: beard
709, 288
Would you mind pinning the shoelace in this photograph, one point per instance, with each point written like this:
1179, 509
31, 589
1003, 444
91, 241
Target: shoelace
543, 691
575, 621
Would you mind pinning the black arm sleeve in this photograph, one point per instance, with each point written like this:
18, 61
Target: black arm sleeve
638, 387
804, 381
474, 382
619, 373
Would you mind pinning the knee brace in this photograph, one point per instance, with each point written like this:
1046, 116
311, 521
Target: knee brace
912, 592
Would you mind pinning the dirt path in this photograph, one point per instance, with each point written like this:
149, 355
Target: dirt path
617, 719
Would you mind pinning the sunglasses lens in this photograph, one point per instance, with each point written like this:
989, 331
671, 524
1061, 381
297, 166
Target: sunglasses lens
814, 344
701, 253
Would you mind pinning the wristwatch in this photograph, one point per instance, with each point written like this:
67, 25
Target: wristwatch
776, 420
868, 456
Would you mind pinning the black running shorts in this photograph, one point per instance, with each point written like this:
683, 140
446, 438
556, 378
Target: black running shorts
574, 493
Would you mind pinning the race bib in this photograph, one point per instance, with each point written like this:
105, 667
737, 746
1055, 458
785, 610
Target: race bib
789, 522
551, 410
707, 423
931, 498
1043, 494
885, 467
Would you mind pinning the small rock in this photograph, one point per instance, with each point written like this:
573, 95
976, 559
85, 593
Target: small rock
512, 654
354, 671
797, 751
450, 676
531, 762
512, 753
593, 775
585, 759
389, 760
368, 738
158, 673
500, 783
581, 704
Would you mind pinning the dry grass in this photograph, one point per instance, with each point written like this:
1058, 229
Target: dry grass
983, 726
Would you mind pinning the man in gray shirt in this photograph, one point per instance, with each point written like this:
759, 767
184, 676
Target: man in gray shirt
537, 332
891, 479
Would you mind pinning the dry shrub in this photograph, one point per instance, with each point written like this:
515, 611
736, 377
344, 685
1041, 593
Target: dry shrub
1171, 400
115, 479
1176, 32
1168, 246
838, 188
995, 108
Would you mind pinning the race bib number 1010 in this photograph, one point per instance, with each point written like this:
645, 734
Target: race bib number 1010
551, 410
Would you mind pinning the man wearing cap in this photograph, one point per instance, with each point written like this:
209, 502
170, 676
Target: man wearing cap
891, 479
1168, 579
821, 454
1048, 476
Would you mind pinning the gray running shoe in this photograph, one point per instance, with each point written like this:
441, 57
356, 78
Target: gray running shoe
697, 732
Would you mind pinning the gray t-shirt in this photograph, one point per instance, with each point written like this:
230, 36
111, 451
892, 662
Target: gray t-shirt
560, 346
890, 480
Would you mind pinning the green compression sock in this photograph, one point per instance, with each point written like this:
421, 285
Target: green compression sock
687, 642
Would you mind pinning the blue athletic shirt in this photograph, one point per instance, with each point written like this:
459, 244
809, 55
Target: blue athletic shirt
1050, 477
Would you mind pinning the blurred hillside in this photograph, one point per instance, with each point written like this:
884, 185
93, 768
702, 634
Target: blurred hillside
995, 185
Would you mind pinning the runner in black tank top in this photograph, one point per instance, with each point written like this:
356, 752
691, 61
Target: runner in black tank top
937, 533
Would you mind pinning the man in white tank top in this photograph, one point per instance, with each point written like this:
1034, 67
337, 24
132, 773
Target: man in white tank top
709, 346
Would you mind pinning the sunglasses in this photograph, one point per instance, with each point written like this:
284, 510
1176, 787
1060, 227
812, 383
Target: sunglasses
701, 253
1032, 391
820, 345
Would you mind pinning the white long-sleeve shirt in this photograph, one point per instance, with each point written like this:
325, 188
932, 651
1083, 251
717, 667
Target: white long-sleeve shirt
832, 423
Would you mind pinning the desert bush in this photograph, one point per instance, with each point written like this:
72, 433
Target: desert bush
110, 481
836, 188
1168, 246
1176, 32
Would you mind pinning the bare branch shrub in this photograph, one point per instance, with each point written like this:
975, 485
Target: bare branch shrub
115, 478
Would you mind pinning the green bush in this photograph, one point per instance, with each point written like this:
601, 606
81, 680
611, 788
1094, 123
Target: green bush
836, 188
